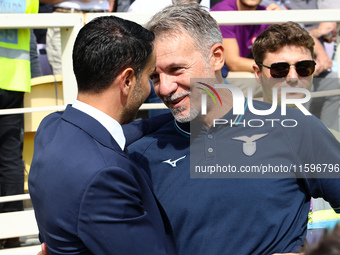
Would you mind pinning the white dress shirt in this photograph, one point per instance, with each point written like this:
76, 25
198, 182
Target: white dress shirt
114, 128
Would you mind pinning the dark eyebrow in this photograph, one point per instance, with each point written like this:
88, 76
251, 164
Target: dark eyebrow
178, 65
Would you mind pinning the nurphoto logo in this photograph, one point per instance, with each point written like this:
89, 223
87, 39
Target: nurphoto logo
239, 99
204, 97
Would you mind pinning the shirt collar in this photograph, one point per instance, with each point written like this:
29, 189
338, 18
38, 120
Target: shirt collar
112, 126
182, 128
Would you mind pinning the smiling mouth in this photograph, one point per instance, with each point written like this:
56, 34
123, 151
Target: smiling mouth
176, 101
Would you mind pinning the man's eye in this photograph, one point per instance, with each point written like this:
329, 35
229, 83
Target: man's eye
175, 69
154, 77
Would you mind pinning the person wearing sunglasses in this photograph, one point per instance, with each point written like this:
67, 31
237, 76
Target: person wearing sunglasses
284, 58
326, 108
288, 75
283, 55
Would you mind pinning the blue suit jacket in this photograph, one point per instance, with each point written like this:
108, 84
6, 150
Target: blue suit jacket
89, 198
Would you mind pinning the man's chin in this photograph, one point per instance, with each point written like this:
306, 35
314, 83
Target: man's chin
184, 117
182, 120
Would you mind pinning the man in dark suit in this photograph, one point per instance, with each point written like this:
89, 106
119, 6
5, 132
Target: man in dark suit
89, 198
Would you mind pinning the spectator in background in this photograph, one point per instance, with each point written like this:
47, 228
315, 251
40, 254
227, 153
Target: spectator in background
15, 80
238, 41
214, 2
328, 4
325, 108
40, 35
280, 3
283, 52
289, 44
325, 76
53, 43
34, 58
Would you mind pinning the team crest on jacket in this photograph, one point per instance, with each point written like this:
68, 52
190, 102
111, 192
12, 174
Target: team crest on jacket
249, 144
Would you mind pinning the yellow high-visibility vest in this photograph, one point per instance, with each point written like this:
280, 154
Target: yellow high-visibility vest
15, 66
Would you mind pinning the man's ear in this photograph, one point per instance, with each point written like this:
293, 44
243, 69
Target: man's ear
217, 56
127, 80
257, 73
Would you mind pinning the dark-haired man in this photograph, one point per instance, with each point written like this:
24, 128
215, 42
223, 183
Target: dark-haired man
284, 59
89, 198
283, 55
215, 214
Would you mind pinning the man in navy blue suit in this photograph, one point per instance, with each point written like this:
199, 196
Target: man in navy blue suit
89, 198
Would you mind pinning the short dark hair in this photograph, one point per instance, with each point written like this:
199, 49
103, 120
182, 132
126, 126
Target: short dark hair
279, 35
106, 46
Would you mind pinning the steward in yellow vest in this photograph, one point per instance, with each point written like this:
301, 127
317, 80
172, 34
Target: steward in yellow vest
15, 48
15, 80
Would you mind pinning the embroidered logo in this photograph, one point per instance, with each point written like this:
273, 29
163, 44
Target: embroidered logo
249, 145
174, 162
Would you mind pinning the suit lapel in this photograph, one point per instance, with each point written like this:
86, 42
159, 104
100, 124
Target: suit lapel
99, 133
92, 127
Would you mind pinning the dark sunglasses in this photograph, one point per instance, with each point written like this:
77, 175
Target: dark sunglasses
303, 68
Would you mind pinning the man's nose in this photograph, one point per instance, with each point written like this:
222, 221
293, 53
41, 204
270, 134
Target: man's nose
167, 85
292, 75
